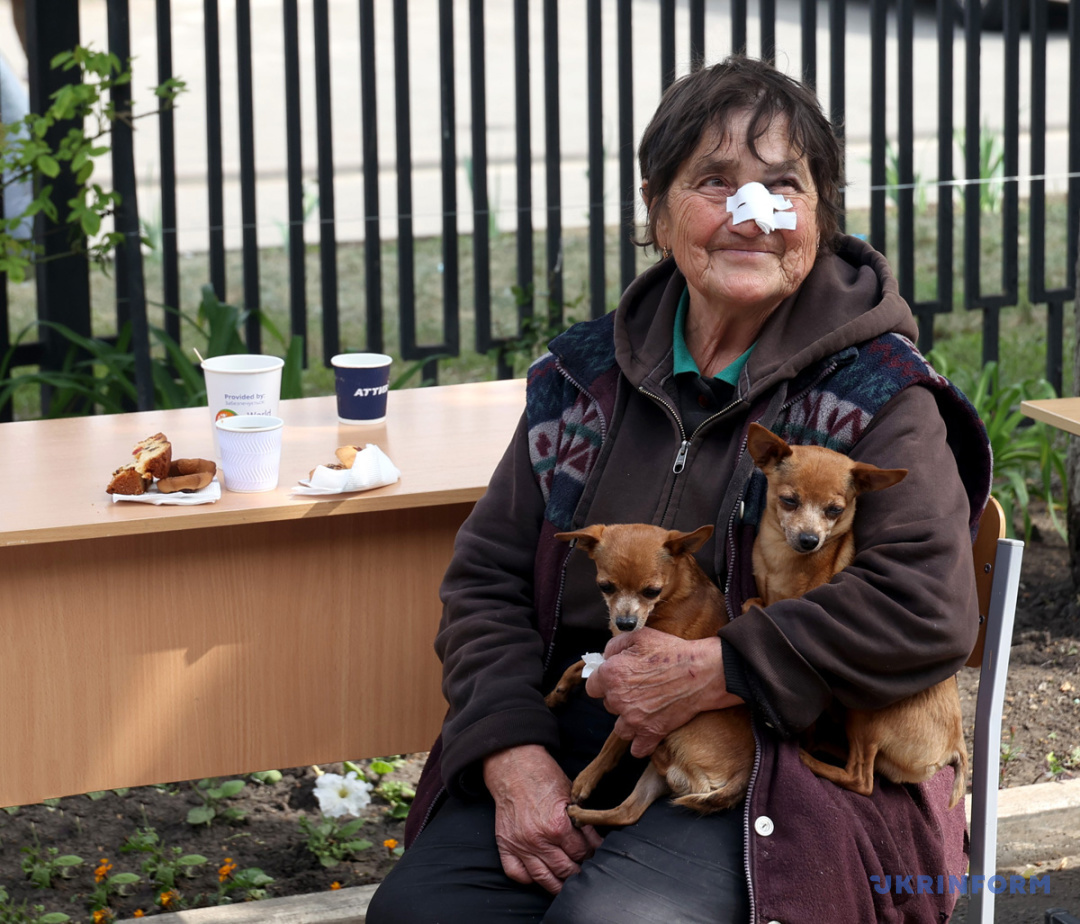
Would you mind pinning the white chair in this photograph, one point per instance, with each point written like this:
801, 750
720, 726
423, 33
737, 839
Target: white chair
997, 574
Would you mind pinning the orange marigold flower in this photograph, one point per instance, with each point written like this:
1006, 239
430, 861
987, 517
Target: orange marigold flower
167, 898
389, 843
138, 913
103, 870
334, 886
102, 916
226, 869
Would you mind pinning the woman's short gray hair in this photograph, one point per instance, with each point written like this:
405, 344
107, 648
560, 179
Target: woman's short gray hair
707, 98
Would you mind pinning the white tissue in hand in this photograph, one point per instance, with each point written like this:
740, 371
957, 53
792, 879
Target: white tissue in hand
753, 202
592, 659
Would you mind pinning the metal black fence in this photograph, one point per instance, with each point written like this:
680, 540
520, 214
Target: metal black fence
584, 58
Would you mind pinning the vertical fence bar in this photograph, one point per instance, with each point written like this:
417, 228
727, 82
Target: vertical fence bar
552, 154
738, 27
249, 241
697, 34
945, 242
324, 139
595, 117
837, 85
130, 283
972, 116
877, 125
62, 276
373, 312
667, 43
809, 42
448, 127
214, 180
406, 275
905, 156
523, 125
627, 191
1010, 203
1074, 145
767, 11
481, 201
294, 172
170, 257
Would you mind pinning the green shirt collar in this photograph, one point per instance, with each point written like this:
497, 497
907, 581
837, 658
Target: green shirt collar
684, 362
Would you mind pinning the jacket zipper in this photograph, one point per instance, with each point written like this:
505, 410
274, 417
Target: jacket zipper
746, 823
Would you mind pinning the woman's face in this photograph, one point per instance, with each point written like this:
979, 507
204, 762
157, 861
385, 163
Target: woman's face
739, 268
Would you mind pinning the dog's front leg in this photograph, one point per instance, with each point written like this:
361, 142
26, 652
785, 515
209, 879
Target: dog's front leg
610, 754
571, 678
650, 787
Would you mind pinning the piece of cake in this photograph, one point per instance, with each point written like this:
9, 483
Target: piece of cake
153, 455
127, 480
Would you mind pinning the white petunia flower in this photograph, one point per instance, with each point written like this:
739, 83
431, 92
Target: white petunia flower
342, 795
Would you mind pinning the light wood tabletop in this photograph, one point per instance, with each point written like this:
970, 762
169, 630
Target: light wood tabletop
1063, 413
143, 644
445, 440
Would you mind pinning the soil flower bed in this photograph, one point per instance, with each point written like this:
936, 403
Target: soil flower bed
201, 843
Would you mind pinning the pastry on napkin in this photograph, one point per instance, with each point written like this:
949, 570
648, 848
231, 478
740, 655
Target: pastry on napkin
208, 495
371, 468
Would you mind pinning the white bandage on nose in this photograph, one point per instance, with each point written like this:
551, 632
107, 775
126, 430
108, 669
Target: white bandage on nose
753, 202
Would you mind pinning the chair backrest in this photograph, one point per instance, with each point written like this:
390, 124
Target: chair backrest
997, 576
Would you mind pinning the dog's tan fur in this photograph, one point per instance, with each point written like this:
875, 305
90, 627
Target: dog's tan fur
804, 539
649, 577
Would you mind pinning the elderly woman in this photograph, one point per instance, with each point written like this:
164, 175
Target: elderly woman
641, 416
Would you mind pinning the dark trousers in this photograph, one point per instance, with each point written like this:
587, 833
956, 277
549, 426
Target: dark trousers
672, 867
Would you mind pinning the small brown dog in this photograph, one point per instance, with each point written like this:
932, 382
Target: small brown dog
803, 540
649, 577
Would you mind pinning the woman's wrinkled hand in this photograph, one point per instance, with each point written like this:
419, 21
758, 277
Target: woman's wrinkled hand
655, 683
537, 841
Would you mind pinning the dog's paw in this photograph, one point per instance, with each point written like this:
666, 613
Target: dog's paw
574, 812
580, 791
753, 601
556, 697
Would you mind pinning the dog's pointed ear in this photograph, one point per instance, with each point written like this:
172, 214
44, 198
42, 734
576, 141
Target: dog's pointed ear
687, 543
764, 446
867, 477
586, 539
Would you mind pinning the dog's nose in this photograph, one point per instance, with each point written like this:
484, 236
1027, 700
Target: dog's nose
626, 623
808, 541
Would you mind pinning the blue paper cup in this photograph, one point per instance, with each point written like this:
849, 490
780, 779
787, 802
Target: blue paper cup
361, 381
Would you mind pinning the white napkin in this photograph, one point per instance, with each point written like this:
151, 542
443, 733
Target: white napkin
752, 201
208, 495
370, 469
592, 659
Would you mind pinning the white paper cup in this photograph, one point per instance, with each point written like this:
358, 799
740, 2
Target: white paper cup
241, 384
361, 383
250, 452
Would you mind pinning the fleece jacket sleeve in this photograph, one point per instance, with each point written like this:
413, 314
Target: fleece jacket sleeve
902, 617
492, 653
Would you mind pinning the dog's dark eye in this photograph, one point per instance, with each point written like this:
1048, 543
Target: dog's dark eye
833, 511
606, 587
792, 503
651, 592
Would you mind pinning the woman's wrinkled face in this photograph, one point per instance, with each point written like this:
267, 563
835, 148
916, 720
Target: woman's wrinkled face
739, 267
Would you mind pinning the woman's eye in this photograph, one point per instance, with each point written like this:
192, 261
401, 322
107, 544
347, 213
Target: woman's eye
788, 182
651, 592
717, 183
606, 587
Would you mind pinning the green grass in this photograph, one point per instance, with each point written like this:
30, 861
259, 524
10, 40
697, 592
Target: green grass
958, 335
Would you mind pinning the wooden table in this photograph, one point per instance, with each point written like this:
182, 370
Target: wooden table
143, 644
1063, 413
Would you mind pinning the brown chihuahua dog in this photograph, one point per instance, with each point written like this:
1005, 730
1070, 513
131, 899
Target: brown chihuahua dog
649, 577
804, 539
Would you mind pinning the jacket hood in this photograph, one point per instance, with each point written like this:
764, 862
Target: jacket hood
849, 297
